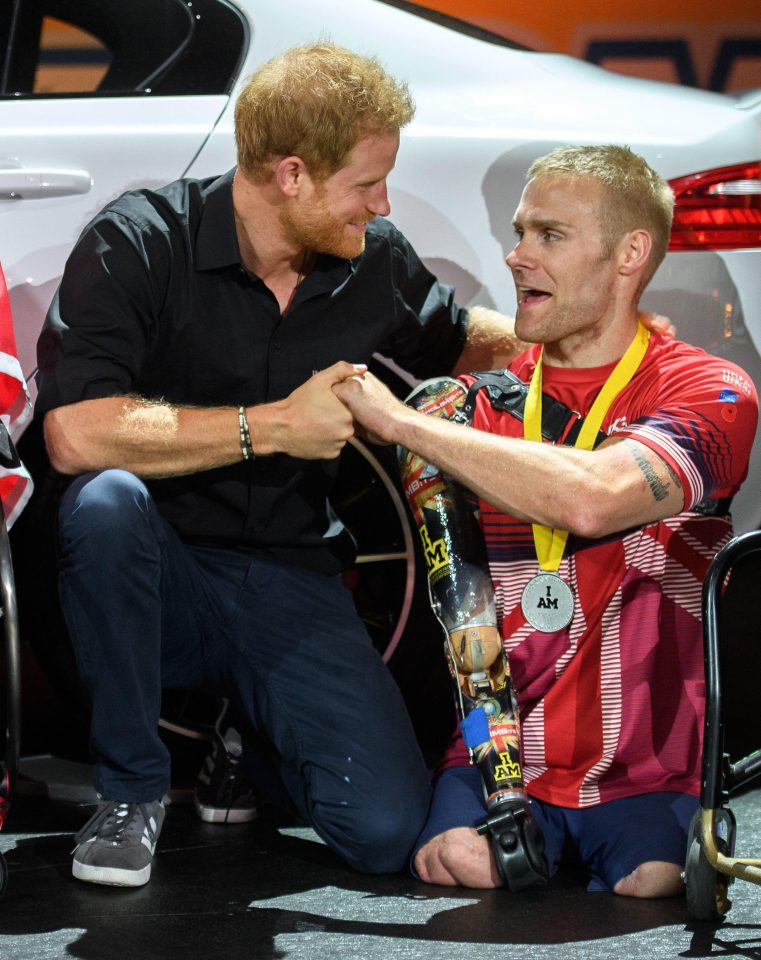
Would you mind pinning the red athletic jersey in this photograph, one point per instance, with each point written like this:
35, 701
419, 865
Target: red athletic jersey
612, 706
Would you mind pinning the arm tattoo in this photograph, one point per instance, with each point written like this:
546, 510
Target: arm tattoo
658, 487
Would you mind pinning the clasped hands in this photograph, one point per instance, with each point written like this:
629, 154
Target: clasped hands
372, 405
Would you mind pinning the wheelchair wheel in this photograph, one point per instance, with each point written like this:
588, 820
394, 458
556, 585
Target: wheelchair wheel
706, 887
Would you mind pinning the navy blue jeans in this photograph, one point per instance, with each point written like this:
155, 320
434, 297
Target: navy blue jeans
146, 611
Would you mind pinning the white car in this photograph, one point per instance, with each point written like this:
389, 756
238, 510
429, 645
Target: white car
485, 109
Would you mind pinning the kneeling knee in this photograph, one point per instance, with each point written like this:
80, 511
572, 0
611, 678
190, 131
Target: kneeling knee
382, 844
102, 503
371, 840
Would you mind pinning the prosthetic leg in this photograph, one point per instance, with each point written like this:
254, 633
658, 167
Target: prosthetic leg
463, 600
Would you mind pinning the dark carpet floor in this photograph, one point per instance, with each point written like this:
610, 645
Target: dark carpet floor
265, 890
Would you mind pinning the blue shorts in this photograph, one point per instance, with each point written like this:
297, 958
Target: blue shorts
609, 839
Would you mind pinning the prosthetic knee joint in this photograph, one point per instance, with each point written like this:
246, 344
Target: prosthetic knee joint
463, 601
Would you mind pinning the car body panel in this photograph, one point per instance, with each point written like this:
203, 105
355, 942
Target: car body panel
485, 112
119, 143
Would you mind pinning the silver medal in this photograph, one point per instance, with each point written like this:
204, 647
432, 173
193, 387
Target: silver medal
547, 602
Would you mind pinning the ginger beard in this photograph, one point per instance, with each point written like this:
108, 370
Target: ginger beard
315, 227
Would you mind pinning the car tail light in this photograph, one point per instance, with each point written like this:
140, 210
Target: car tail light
718, 209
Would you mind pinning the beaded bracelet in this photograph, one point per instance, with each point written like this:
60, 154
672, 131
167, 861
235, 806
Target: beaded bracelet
246, 447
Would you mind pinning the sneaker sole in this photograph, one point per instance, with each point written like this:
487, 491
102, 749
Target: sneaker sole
111, 876
233, 815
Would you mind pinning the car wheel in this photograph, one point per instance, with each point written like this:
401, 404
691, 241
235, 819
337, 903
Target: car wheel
368, 500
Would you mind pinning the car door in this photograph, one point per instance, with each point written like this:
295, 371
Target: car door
97, 97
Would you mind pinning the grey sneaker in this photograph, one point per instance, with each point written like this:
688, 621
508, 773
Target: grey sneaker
117, 844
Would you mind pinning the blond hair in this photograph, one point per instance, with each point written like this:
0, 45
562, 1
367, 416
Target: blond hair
316, 102
636, 196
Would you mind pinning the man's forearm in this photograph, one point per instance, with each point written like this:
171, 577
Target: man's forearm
158, 439
148, 438
592, 493
517, 478
491, 343
589, 493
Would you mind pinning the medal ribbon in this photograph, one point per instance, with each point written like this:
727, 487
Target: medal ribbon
548, 542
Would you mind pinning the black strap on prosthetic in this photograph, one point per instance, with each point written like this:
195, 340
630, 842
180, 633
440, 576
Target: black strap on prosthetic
517, 844
560, 424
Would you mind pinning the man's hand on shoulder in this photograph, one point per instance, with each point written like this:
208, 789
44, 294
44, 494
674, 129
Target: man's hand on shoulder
491, 343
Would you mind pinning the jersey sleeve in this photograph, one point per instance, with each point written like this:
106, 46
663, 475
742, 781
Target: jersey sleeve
702, 424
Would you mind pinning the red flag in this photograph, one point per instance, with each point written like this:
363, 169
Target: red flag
15, 412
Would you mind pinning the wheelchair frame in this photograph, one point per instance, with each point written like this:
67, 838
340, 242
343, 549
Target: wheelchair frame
711, 865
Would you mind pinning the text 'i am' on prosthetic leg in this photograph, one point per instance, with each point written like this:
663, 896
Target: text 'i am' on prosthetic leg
462, 598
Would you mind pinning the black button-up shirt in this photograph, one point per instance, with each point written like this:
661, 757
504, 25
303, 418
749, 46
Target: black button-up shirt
155, 301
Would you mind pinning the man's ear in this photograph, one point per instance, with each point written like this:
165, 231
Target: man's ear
289, 175
634, 252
